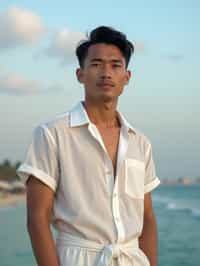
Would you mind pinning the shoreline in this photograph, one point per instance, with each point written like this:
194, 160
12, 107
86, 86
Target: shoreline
12, 200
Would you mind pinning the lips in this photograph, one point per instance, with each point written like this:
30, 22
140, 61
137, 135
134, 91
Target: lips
105, 84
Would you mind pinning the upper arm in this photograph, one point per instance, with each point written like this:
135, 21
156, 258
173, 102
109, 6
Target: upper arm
151, 179
40, 199
41, 159
148, 207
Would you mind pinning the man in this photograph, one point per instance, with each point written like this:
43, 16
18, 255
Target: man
90, 173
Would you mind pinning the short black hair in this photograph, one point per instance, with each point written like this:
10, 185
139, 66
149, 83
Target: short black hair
108, 35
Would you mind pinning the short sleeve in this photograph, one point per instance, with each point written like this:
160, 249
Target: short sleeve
41, 159
151, 180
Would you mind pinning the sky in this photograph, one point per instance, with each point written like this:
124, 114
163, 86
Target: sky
162, 100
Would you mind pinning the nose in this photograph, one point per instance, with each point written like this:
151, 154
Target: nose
105, 72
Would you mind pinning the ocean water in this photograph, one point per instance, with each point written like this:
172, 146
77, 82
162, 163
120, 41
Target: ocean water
177, 209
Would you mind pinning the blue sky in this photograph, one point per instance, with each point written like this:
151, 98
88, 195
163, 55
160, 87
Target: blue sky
37, 72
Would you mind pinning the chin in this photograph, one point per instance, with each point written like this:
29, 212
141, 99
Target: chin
107, 98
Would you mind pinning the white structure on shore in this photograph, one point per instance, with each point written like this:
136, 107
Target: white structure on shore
12, 187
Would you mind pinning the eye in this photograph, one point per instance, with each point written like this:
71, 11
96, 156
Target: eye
95, 64
116, 65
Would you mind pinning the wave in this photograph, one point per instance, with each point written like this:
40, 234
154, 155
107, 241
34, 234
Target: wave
196, 213
173, 205
193, 211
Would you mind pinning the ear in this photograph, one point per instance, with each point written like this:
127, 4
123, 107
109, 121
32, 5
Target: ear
79, 74
128, 76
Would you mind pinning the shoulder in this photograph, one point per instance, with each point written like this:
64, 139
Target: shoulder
136, 134
52, 128
56, 123
142, 140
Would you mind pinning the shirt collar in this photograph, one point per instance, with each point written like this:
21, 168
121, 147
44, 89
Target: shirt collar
79, 117
125, 123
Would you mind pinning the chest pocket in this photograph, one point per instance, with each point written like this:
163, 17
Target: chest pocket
134, 178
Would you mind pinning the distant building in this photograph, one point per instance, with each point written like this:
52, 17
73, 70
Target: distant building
12, 187
169, 181
184, 180
5, 186
197, 180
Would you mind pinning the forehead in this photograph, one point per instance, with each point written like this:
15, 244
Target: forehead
104, 52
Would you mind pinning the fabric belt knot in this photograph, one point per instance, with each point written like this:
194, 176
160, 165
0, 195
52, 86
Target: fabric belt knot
123, 252
112, 251
116, 250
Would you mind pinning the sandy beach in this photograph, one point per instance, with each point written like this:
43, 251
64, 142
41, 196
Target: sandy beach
12, 200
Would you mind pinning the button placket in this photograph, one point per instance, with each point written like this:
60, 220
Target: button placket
109, 167
109, 175
112, 186
116, 212
115, 207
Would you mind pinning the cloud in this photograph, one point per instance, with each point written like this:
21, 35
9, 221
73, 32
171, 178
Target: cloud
176, 57
63, 44
13, 83
19, 27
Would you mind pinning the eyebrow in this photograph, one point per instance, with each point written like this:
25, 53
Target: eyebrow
112, 60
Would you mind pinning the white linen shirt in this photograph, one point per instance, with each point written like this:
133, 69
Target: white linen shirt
68, 155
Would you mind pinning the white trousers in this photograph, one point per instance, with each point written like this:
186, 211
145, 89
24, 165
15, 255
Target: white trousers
74, 251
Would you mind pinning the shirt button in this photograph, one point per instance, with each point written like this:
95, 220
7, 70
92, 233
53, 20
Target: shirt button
114, 194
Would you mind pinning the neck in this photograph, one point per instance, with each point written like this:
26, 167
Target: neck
102, 114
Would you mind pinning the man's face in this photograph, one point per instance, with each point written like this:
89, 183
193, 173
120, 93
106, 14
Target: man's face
104, 74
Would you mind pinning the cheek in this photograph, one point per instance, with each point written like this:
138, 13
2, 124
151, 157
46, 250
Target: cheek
90, 76
122, 81
89, 81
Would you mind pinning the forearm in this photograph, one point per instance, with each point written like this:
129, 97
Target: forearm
148, 241
43, 243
